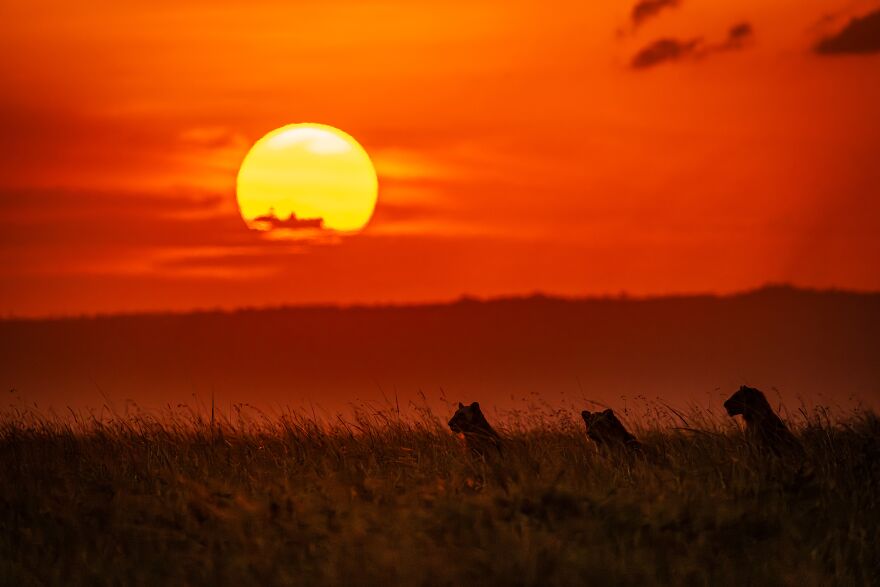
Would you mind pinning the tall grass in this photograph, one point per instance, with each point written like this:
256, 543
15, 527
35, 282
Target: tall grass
379, 498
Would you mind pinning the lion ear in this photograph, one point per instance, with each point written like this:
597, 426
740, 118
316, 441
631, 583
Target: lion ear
476, 405
585, 414
460, 406
608, 411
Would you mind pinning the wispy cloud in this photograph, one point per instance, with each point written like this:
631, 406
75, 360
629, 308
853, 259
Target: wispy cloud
668, 50
53, 230
645, 10
663, 51
738, 37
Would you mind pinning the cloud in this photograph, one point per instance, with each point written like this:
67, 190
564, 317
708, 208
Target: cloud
738, 36
25, 204
648, 9
860, 36
664, 50
668, 49
65, 224
271, 222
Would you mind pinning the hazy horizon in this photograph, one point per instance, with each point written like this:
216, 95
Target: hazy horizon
819, 346
464, 297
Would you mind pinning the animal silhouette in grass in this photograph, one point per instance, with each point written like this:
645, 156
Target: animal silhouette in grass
607, 431
479, 435
763, 426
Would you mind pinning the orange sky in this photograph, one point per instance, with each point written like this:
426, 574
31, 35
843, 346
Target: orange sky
521, 147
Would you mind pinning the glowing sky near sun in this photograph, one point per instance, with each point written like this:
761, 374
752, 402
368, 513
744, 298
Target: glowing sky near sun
520, 146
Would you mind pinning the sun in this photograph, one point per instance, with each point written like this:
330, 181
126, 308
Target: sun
307, 176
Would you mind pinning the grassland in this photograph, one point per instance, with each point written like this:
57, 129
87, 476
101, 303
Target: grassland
379, 499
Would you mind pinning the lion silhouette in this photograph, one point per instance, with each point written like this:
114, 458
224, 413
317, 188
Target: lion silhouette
763, 426
479, 435
607, 431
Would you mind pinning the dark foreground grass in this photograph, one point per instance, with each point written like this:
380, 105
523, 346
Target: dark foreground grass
375, 500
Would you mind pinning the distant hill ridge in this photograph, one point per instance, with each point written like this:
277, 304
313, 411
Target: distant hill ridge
821, 346
768, 291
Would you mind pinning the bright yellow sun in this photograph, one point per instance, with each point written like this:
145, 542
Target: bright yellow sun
304, 176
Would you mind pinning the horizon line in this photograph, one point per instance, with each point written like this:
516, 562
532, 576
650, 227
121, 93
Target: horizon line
465, 298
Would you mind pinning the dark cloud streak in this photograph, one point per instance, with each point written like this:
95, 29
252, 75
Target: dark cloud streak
739, 34
271, 222
72, 203
667, 50
860, 36
73, 222
663, 51
648, 9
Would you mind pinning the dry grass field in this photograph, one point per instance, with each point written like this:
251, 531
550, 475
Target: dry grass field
375, 498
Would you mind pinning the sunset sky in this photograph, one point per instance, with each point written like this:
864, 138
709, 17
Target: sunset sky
564, 147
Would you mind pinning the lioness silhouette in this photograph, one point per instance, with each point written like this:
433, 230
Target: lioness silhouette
607, 431
763, 426
479, 435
